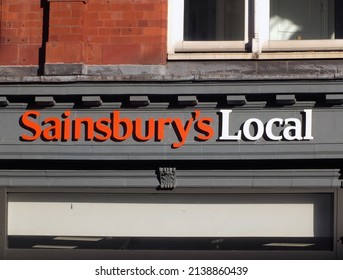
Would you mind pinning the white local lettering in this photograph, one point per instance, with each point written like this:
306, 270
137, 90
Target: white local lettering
294, 129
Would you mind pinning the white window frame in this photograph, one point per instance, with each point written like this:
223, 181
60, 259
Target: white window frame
263, 8
260, 45
176, 34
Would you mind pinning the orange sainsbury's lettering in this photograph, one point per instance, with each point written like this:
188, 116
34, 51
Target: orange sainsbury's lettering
66, 126
53, 132
69, 127
101, 127
121, 127
150, 129
31, 126
204, 128
160, 127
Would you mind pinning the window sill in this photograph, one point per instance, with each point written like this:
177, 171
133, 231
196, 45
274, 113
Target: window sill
208, 46
303, 45
253, 56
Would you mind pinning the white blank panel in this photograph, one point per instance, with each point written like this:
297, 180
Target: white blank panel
144, 217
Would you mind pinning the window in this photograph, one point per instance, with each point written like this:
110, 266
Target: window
307, 21
210, 20
312, 25
255, 27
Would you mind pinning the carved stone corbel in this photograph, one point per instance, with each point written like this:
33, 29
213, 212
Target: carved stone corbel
167, 177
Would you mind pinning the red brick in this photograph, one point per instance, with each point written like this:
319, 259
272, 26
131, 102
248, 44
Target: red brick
73, 52
123, 40
54, 52
131, 31
71, 21
55, 6
9, 32
116, 31
76, 30
131, 15
152, 31
71, 38
33, 24
35, 40
128, 7
152, 15
32, 16
29, 54
17, 8
126, 23
145, 7
16, 40
105, 16
143, 23
109, 23
116, 7
148, 39
99, 39
58, 30
96, 6
92, 31
93, 53
117, 15
67, 6
73, 5
64, 52
7, 24
95, 23
93, 16
10, 16
61, 14
151, 54
35, 7
9, 54
158, 23
120, 54
29, 32
55, 21
109, 31
53, 38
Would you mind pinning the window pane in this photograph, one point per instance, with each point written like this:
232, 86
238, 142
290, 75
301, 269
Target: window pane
338, 19
214, 20
305, 20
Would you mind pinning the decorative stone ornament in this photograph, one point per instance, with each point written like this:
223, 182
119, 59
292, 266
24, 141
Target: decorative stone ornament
167, 177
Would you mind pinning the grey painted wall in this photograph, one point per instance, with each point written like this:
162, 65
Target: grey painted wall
177, 101
327, 132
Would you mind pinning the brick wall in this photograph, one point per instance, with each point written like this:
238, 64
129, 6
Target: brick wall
126, 31
66, 31
90, 31
20, 32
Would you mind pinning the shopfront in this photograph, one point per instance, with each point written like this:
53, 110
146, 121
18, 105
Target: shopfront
248, 170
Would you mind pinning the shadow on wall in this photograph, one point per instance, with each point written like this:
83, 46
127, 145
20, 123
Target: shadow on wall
45, 5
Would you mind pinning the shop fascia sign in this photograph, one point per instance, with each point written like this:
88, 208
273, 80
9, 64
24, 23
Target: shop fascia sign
117, 128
